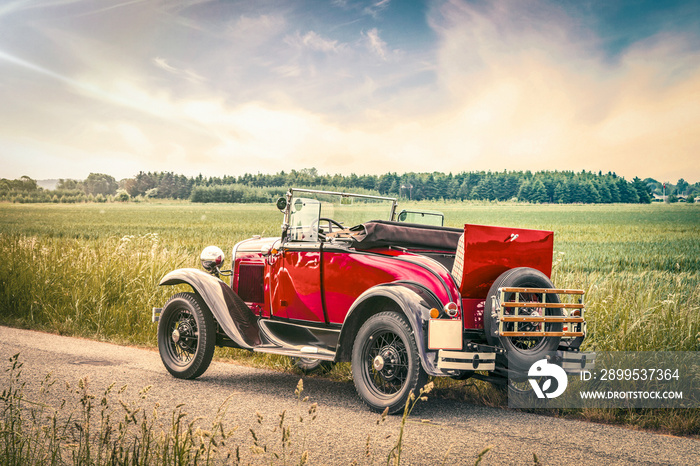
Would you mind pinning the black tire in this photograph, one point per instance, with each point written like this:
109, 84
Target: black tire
186, 336
310, 365
386, 367
522, 352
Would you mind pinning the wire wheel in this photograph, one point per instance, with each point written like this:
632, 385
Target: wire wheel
186, 336
182, 345
385, 363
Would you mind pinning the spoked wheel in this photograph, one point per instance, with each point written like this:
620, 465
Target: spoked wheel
522, 351
526, 343
386, 367
186, 336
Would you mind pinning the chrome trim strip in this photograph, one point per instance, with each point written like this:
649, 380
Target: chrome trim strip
310, 246
336, 193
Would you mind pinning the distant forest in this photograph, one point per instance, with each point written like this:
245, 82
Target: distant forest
539, 187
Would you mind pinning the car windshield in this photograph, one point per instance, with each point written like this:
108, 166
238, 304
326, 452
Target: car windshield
305, 214
309, 214
426, 217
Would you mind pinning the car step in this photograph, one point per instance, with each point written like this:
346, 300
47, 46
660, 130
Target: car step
300, 352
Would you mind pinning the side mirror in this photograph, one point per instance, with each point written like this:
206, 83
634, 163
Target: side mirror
282, 204
212, 257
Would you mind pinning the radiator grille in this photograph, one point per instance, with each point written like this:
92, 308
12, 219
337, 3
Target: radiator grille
250, 282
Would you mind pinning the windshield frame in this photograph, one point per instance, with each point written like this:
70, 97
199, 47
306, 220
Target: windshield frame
290, 196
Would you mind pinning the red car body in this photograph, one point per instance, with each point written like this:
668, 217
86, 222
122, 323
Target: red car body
310, 284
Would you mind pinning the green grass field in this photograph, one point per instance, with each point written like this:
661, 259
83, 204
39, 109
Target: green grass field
92, 269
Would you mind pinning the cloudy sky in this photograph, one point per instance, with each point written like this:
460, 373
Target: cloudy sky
349, 86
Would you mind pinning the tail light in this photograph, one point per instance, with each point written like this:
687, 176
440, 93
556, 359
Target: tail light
451, 309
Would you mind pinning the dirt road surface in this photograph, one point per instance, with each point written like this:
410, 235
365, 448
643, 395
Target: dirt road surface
438, 430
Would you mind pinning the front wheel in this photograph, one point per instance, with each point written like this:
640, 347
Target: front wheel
186, 336
386, 367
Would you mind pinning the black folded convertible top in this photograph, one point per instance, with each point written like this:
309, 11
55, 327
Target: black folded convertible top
380, 233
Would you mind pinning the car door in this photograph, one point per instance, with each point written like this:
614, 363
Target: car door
299, 277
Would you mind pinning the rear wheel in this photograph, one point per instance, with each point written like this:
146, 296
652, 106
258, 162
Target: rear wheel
523, 351
386, 367
186, 336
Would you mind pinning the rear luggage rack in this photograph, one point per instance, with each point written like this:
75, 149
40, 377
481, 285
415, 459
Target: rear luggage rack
573, 313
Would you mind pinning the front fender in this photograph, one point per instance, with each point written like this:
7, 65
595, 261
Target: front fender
233, 315
413, 300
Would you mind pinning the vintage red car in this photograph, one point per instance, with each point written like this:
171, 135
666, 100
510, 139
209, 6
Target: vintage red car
401, 298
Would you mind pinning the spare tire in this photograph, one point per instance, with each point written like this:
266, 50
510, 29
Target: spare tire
521, 352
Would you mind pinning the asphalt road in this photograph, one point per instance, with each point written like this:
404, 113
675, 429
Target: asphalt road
438, 429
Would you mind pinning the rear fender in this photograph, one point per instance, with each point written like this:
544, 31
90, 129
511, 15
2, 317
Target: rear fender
412, 299
233, 315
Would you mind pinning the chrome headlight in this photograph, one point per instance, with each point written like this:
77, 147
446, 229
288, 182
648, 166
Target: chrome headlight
212, 257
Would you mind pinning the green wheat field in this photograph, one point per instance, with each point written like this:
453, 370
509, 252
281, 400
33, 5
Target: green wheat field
92, 270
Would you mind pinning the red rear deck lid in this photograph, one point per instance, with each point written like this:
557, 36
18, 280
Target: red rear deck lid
487, 251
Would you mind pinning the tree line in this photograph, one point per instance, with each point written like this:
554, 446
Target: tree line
537, 187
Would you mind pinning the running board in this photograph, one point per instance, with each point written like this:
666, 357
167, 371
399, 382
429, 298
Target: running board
293, 335
311, 352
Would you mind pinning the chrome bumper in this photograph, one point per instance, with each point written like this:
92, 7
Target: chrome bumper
576, 361
466, 361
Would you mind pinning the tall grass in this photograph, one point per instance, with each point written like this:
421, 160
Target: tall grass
81, 287
93, 270
639, 311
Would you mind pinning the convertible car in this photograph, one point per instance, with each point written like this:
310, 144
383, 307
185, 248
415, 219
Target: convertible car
397, 294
